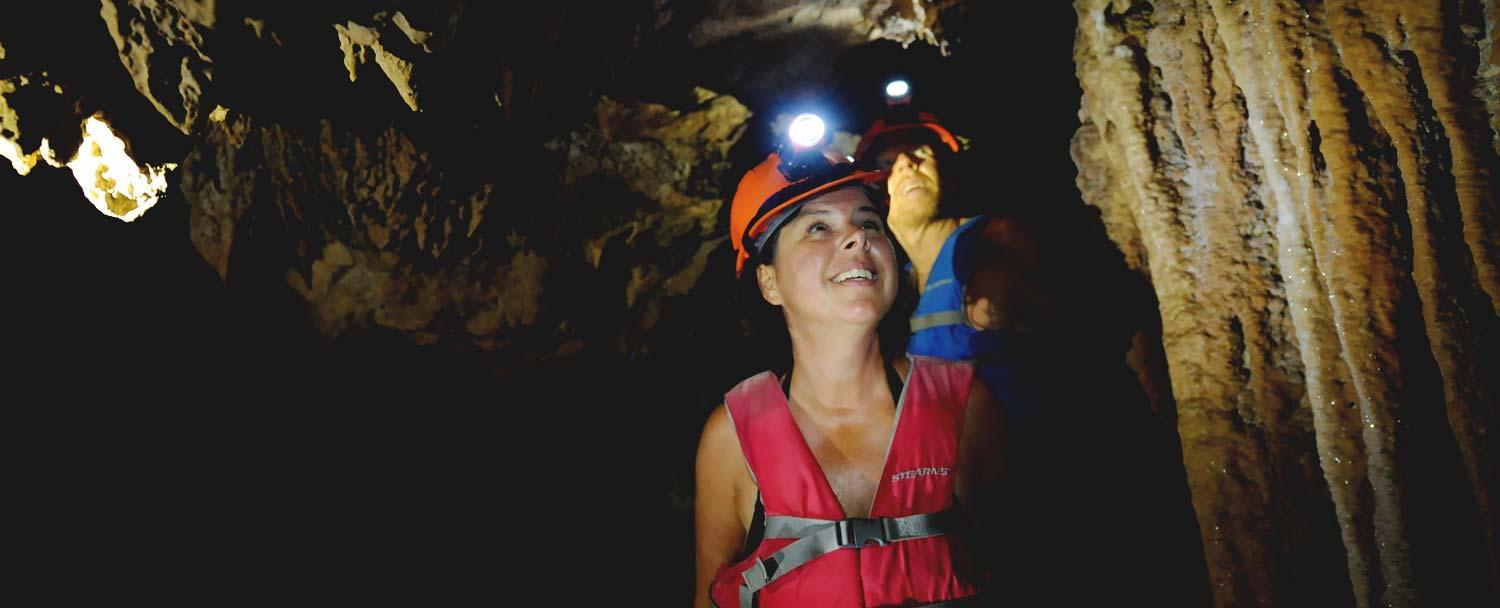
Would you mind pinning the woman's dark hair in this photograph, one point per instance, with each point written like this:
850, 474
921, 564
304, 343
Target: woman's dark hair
771, 340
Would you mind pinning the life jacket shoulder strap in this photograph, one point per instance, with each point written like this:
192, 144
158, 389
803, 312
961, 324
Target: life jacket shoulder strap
746, 402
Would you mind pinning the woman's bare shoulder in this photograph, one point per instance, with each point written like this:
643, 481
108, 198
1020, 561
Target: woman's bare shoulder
719, 454
718, 432
719, 427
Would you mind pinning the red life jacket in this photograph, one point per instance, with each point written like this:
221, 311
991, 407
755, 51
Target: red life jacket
812, 554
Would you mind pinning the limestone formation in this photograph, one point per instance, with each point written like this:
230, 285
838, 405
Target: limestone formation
161, 44
377, 237
1310, 187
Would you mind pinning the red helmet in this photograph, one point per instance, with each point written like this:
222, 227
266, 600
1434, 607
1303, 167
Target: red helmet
923, 120
765, 191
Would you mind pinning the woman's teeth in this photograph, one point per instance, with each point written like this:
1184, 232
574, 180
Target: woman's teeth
858, 273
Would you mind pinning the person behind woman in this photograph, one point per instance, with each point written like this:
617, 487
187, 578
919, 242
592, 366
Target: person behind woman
981, 285
1041, 302
847, 481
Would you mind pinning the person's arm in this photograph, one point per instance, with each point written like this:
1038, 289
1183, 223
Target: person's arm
981, 467
1004, 290
721, 479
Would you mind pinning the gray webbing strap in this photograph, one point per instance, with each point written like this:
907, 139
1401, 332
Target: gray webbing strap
766, 570
918, 526
784, 526
938, 319
819, 537
890, 529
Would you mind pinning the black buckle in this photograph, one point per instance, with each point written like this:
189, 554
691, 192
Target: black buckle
760, 572
857, 532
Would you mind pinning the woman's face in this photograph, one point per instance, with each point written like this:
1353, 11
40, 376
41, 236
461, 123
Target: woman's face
833, 262
914, 184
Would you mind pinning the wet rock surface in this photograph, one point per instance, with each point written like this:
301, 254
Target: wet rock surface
1310, 188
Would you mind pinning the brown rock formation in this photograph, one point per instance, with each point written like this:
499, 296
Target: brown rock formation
161, 45
905, 21
1311, 189
395, 44
377, 235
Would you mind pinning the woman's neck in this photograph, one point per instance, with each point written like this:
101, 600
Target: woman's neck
922, 238
834, 373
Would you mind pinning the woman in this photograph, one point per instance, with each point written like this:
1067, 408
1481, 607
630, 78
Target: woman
845, 482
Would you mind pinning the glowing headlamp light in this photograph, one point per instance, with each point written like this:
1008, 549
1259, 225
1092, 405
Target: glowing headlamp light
897, 89
806, 131
801, 154
897, 93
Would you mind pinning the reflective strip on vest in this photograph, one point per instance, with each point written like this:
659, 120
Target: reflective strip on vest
938, 319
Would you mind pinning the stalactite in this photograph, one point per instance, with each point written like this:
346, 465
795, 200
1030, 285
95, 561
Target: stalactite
1313, 191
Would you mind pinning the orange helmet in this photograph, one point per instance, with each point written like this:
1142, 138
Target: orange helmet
765, 192
922, 120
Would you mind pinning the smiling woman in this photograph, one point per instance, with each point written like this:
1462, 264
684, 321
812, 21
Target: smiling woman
837, 245
847, 479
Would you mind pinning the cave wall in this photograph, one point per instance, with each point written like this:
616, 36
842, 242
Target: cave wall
450, 171
1310, 187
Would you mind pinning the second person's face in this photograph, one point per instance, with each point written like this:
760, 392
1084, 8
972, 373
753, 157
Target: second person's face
913, 182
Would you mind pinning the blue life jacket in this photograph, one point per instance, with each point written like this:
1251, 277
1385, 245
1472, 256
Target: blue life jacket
940, 328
